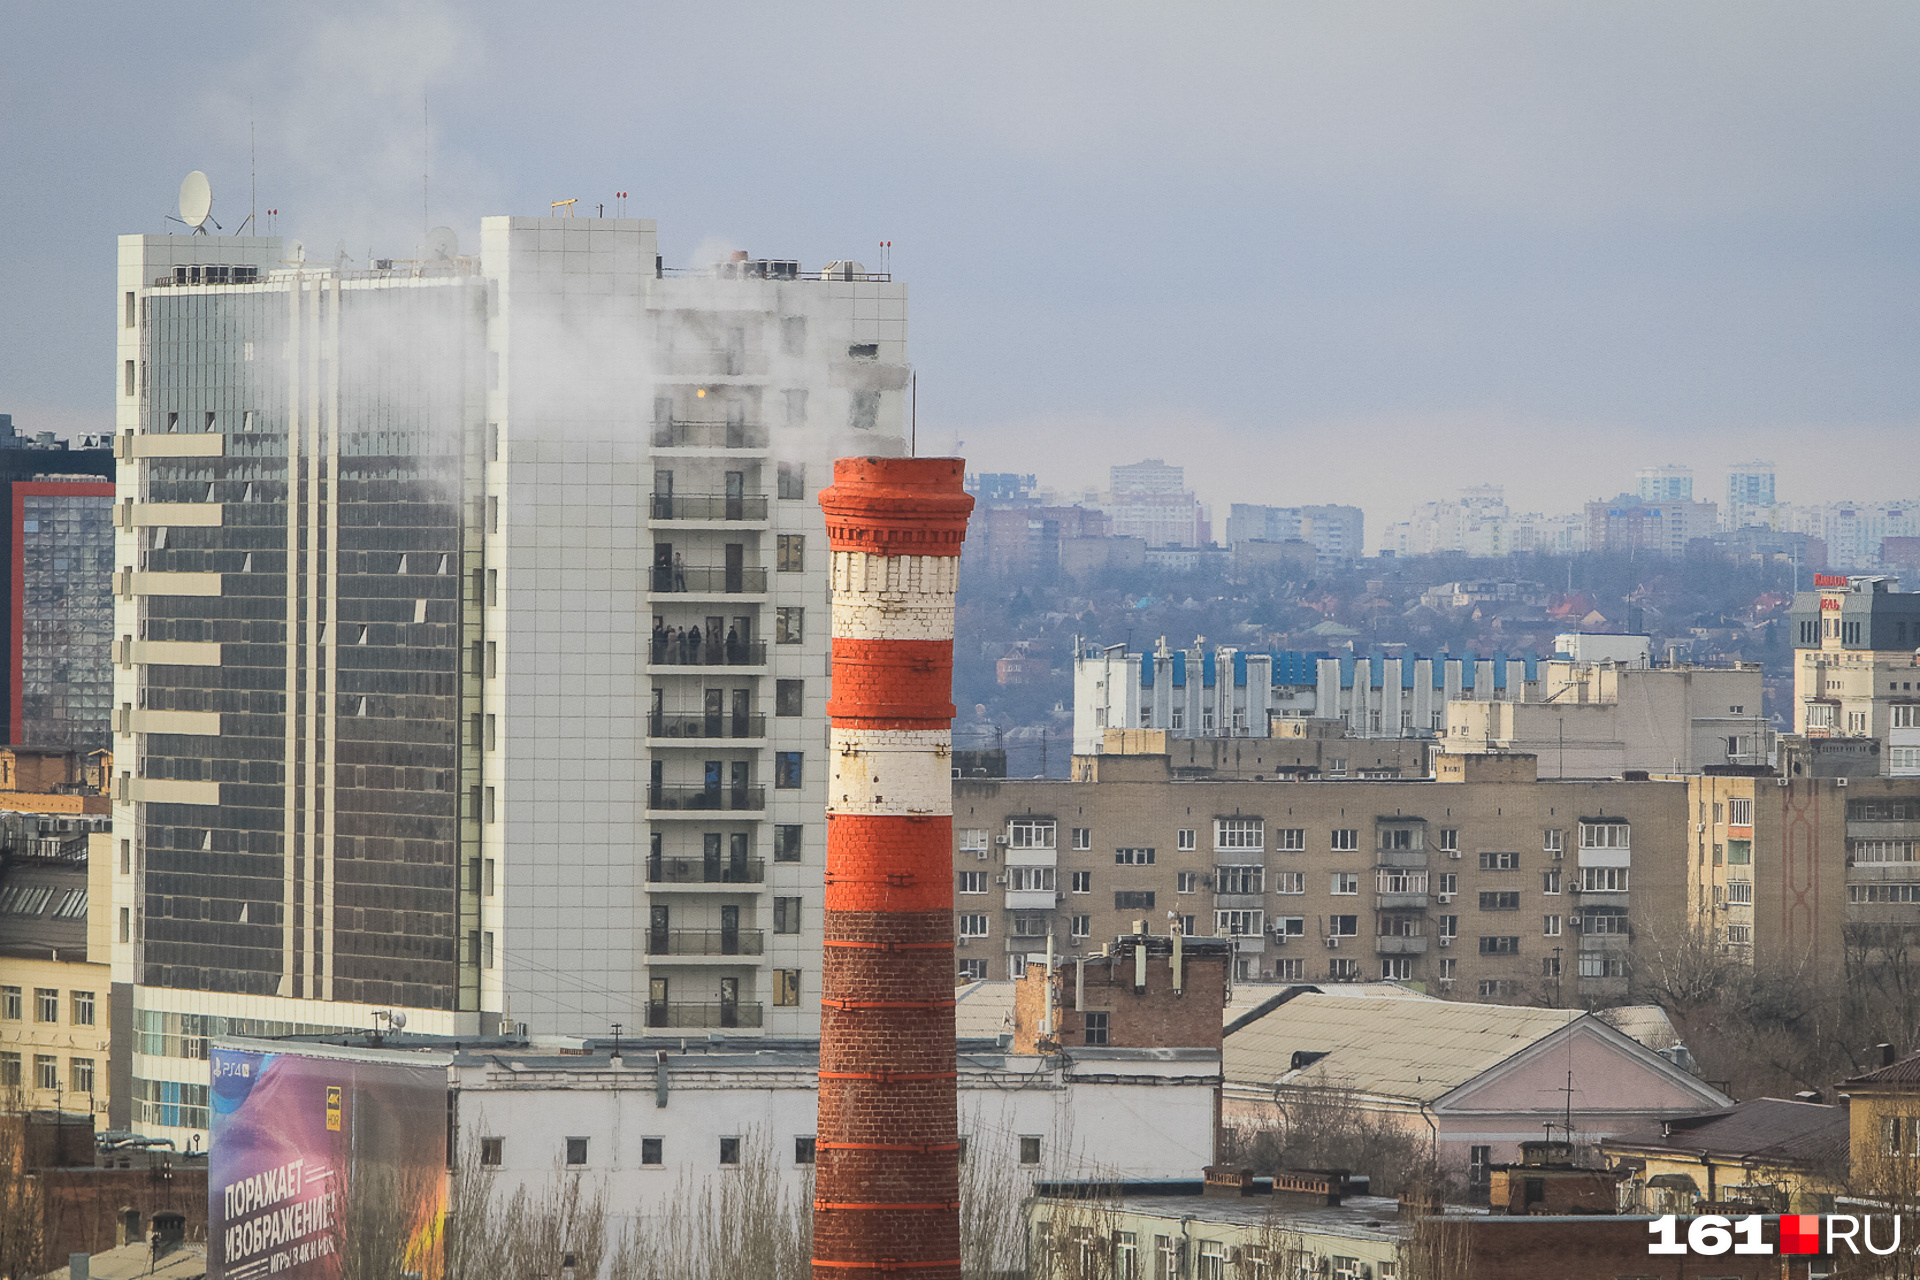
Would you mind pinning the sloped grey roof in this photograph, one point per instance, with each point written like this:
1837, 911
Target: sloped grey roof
1763, 1129
1647, 1023
983, 1010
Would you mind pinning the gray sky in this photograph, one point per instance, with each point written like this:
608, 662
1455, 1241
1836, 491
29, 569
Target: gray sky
1332, 252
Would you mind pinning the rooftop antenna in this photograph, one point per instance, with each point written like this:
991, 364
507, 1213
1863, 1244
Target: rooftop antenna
196, 203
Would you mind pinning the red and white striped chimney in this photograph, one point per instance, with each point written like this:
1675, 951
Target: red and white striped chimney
887, 1171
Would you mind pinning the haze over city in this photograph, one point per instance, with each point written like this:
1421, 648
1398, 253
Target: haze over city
1361, 255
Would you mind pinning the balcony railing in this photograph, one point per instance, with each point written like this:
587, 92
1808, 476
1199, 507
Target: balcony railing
709, 435
704, 942
716, 870
728, 797
669, 651
709, 506
710, 579
683, 1013
704, 727
1399, 944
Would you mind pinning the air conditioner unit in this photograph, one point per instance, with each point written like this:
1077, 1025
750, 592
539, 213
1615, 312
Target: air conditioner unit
1333, 942
1454, 854
1839, 782
980, 854
1699, 828
1001, 841
1781, 782
1446, 941
1444, 898
1000, 880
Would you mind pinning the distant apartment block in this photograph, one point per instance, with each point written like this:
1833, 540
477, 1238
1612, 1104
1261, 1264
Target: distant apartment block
1479, 523
56, 547
1856, 668
1667, 483
1855, 534
1336, 533
1149, 500
1750, 497
1632, 524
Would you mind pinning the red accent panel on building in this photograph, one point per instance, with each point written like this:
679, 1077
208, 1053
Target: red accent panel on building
887, 1175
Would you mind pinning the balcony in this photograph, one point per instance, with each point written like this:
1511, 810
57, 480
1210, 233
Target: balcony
704, 727
708, 435
704, 942
711, 580
1403, 858
716, 653
1401, 901
1599, 897
1399, 944
714, 870
700, 799
687, 1014
708, 506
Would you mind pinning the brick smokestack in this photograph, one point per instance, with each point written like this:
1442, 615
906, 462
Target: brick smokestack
887, 1172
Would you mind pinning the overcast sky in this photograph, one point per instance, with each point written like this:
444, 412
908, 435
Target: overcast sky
1334, 252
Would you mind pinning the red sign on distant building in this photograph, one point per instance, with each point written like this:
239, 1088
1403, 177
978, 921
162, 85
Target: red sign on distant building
1829, 579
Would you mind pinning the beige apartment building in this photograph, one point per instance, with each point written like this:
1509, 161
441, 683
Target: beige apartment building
55, 929
1856, 665
1484, 881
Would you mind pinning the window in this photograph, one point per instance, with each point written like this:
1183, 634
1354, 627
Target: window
791, 479
1290, 970
973, 839
1343, 970
863, 409
1083, 882
1183, 840
1739, 853
789, 697
1449, 926
1554, 841
1449, 839
1289, 926
9, 1071
129, 378
1029, 1148
974, 926
803, 1149
1550, 881
10, 1004
1740, 934
1479, 1165
1343, 926
1449, 883
1550, 926
1238, 924
1399, 839
1080, 926
786, 769
1595, 965
1603, 879
1096, 1027
973, 882
1030, 879
1550, 966
1133, 857
786, 915
1239, 833
1133, 900
1343, 883
576, 1150
1394, 969
132, 309
786, 842
1740, 893
1614, 922
1241, 880
1289, 882
80, 1075
1499, 862
1211, 1261
1740, 811
1500, 901
1290, 839
1605, 835
46, 1071
46, 1004
1031, 833
790, 553
789, 624
973, 971
786, 987
1904, 759
1186, 881
1499, 946
1399, 880
1345, 839
491, 1150
729, 1151
1083, 837
126, 924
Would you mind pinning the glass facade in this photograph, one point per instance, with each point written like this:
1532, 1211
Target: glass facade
329, 869
66, 614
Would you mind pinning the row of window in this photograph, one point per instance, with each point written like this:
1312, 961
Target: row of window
1080, 1252
46, 1006
1251, 922
653, 1150
1341, 884
1250, 834
46, 1073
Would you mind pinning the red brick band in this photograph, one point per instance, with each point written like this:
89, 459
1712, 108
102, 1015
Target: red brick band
892, 684
916, 1148
888, 1004
897, 506
890, 864
851, 944
883, 1204
889, 1077
889, 1264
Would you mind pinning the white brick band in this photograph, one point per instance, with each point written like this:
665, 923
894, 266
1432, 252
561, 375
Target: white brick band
890, 772
893, 597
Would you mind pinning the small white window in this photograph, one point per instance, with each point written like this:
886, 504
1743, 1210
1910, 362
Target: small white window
1184, 840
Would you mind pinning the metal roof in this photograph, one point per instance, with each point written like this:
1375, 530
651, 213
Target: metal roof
1413, 1049
1764, 1129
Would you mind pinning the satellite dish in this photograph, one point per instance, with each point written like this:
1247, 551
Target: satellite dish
442, 244
196, 200
399, 1020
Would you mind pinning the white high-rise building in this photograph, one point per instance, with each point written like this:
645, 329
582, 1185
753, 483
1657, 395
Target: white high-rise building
1667, 483
1750, 498
411, 712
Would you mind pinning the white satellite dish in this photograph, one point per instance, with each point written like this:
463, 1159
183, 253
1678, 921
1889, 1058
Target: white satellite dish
442, 244
399, 1020
196, 200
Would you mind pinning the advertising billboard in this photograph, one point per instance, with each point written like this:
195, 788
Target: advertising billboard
314, 1157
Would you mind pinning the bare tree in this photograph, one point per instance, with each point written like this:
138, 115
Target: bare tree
744, 1222
993, 1197
21, 1225
1319, 1125
555, 1232
385, 1220
474, 1237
